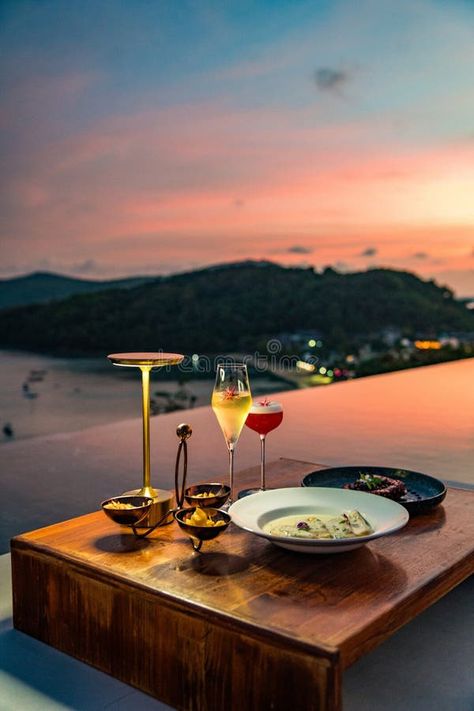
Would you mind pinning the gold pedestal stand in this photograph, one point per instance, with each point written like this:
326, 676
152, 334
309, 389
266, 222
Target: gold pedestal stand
162, 500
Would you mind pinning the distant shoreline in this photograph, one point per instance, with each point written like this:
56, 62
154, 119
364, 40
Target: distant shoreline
44, 395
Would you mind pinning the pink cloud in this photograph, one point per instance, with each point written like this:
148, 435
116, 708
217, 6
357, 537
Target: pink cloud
163, 183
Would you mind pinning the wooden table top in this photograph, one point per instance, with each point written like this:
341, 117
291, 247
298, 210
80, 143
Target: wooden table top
343, 605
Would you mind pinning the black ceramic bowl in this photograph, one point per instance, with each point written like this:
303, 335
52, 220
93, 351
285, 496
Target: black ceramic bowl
197, 533
423, 491
129, 516
220, 494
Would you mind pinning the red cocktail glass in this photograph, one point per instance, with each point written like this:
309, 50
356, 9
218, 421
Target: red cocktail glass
264, 416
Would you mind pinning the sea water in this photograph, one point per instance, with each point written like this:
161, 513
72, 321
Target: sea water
41, 395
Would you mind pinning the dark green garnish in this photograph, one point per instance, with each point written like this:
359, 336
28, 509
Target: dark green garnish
371, 480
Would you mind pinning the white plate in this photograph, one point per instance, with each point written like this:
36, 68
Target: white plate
253, 512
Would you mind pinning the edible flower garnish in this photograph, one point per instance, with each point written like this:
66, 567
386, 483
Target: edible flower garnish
302, 526
230, 393
265, 402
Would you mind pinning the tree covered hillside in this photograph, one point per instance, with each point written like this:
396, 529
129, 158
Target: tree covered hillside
232, 307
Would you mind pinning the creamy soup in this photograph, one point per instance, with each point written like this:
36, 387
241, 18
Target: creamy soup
348, 524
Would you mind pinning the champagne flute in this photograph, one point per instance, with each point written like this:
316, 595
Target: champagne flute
231, 402
264, 416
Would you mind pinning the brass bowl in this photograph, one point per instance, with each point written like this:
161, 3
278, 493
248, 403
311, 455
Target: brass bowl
198, 534
130, 516
220, 494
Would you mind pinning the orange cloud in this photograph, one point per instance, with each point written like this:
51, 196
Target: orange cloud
161, 186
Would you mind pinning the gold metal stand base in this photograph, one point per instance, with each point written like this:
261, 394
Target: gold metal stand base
163, 501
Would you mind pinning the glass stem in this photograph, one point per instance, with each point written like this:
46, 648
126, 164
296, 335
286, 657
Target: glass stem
262, 462
231, 472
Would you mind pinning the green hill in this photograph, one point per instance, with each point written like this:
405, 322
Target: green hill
42, 287
233, 307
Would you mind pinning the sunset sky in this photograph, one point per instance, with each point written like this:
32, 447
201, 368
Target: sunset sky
153, 136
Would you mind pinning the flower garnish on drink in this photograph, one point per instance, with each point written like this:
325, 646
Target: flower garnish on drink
231, 411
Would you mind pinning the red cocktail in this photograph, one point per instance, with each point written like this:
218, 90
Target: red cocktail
262, 419
264, 416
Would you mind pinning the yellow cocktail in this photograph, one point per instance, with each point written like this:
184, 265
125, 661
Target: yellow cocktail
231, 410
231, 402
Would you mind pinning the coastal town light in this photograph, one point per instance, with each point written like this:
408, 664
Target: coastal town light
302, 365
428, 345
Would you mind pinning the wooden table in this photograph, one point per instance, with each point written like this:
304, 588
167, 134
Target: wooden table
243, 625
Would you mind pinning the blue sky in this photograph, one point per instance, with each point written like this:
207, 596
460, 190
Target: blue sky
159, 136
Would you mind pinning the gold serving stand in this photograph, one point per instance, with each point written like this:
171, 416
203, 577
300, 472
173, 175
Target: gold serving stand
146, 362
